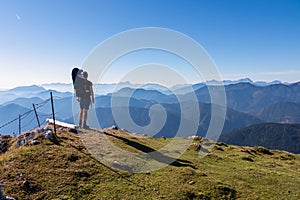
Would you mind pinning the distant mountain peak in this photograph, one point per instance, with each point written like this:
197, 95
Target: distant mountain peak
248, 80
227, 82
33, 88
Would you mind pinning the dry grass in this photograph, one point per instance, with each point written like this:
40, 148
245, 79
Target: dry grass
68, 171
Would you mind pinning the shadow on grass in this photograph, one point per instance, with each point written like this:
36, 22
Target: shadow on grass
154, 154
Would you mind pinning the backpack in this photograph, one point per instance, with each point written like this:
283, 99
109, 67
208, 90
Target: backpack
78, 82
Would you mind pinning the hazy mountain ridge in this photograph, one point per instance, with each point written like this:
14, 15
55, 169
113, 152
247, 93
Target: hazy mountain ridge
247, 104
105, 88
270, 135
32, 91
248, 98
11, 112
140, 115
25, 102
283, 112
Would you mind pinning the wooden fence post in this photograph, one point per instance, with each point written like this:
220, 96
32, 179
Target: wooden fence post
53, 116
19, 124
36, 115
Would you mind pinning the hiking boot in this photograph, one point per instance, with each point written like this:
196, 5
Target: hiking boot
80, 124
85, 126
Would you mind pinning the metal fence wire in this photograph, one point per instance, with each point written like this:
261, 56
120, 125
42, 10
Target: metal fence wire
26, 114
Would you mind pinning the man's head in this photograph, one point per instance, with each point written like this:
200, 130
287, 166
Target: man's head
85, 74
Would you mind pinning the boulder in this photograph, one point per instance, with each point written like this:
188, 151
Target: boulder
195, 137
20, 142
29, 135
34, 142
191, 182
48, 134
113, 127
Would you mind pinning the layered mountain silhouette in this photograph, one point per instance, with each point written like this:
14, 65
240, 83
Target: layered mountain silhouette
270, 135
32, 91
140, 115
10, 113
247, 104
248, 98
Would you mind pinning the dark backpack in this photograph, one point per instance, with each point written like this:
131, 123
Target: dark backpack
78, 82
74, 74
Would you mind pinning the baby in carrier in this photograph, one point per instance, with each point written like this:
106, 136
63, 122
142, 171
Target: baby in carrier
78, 82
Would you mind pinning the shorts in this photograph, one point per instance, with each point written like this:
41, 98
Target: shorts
85, 103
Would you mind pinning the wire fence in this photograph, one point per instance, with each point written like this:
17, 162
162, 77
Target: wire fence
27, 124
29, 118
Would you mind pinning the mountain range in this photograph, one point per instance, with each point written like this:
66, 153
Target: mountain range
10, 116
247, 104
105, 88
30, 92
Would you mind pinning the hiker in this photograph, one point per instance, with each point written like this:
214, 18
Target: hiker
85, 100
78, 82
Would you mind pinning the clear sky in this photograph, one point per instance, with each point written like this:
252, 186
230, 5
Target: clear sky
40, 41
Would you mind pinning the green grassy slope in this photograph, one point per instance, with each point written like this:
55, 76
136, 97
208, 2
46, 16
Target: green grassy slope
67, 171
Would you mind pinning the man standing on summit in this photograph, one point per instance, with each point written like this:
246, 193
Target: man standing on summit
85, 101
84, 92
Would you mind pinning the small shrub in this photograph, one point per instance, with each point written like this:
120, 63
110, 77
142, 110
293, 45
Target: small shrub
247, 159
288, 157
262, 150
73, 158
227, 192
222, 144
218, 148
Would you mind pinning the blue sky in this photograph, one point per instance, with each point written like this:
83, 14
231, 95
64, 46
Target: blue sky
40, 41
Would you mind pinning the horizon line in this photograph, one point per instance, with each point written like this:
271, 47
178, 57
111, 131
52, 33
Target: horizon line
154, 83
